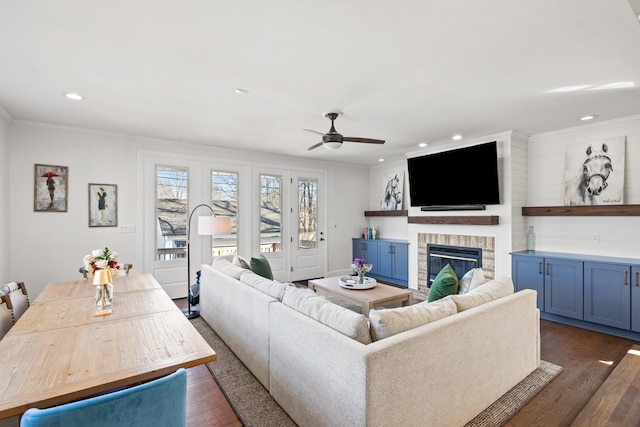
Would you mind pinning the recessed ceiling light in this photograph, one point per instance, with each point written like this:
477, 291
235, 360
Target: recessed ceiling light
381, 160
242, 91
588, 117
73, 96
456, 137
423, 144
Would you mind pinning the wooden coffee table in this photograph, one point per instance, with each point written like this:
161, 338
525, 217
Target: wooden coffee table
380, 295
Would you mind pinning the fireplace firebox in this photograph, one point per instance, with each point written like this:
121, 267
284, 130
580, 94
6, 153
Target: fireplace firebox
461, 259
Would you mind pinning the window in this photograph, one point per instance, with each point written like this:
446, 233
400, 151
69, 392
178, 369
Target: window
171, 212
224, 200
307, 213
270, 213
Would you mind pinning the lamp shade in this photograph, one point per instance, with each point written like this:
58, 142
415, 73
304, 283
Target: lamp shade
213, 225
101, 277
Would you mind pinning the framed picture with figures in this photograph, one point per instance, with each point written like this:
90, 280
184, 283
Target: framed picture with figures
50, 188
103, 205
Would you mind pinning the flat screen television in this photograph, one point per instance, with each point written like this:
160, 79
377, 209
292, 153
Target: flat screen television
463, 178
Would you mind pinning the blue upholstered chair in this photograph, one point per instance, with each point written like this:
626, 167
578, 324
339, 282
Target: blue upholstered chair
157, 403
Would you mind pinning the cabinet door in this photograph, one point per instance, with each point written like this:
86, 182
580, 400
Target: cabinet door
385, 259
607, 294
635, 298
367, 250
401, 261
528, 273
563, 287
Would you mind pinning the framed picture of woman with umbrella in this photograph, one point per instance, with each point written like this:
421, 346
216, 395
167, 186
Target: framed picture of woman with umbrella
50, 188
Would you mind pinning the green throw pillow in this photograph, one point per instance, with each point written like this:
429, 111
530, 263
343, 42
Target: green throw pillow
445, 283
260, 265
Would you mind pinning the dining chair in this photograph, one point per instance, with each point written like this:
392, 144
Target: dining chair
19, 297
157, 403
6, 314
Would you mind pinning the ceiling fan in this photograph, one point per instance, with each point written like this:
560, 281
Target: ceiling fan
332, 140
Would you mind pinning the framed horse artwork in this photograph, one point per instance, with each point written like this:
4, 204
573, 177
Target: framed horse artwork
594, 173
392, 186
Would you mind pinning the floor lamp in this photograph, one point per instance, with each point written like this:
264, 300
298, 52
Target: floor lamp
209, 225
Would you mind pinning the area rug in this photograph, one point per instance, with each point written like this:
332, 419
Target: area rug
254, 406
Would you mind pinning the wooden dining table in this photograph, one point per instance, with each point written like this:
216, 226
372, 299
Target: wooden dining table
58, 351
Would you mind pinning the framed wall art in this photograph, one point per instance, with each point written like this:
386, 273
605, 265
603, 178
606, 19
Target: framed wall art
103, 205
50, 188
392, 191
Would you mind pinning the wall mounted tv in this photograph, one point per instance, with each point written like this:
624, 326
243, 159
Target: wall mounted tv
459, 179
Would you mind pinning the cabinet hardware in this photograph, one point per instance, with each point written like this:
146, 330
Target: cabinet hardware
637, 279
540, 267
626, 273
548, 269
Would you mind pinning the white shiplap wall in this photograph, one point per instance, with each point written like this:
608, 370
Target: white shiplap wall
618, 236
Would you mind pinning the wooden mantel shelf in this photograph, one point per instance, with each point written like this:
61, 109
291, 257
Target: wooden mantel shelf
386, 213
601, 210
461, 220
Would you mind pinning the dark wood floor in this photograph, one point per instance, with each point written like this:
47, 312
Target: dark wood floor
587, 358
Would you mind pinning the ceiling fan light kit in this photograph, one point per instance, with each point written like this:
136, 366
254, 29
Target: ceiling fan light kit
332, 140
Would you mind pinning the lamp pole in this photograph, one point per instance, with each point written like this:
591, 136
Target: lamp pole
188, 313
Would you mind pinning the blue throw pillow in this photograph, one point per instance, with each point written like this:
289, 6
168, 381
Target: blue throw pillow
445, 283
260, 265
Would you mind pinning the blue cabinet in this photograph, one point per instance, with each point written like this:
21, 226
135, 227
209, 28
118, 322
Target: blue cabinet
635, 298
528, 273
367, 250
558, 283
594, 292
607, 294
563, 287
389, 257
393, 262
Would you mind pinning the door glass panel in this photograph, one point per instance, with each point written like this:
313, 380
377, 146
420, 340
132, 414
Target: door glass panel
307, 213
270, 213
224, 200
171, 212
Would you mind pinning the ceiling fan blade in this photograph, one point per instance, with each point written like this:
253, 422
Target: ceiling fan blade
365, 140
313, 131
315, 146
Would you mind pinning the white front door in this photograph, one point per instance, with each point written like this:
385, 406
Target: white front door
307, 226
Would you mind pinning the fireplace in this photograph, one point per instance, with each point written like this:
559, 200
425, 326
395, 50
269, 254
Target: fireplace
460, 258
487, 255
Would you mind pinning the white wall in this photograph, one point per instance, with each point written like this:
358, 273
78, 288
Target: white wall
49, 247
5, 180
619, 236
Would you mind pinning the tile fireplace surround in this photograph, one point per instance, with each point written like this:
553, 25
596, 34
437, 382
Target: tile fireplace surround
486, 243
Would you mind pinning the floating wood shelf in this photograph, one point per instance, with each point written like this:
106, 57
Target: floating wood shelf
463, 220
386, 213
607, 210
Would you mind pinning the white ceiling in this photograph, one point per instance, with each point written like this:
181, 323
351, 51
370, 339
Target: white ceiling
405, 71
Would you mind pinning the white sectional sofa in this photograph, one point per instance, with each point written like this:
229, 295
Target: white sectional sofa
442, 373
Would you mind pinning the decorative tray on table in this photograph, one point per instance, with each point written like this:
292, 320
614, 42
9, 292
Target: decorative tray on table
351, 282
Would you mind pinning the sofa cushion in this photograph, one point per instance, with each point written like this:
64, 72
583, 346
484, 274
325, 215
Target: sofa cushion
472, 279
489, 291
390, 321
270, 287
345, 321
260, 265
241, 262
223, 265
445, 283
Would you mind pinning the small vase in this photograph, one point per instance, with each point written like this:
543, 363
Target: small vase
531, 239
361, 278
107, 289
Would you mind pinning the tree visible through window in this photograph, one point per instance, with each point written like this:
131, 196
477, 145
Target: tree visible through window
224, 200
171, 212
270, 213
307, 213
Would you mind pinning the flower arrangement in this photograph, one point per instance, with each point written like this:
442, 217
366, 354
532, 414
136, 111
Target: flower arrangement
101, 259
361, 267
